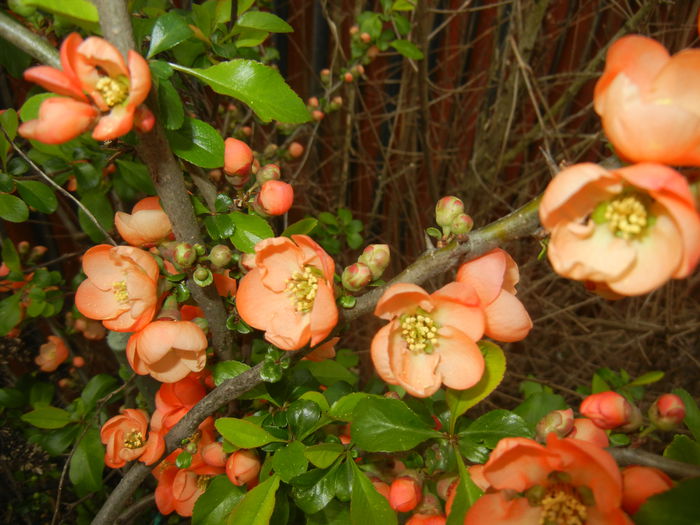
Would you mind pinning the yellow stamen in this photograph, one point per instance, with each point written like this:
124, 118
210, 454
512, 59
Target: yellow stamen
627, 217
302, 287
134, 439
203, 481
113, 90
420, 332
561, 505
120, 292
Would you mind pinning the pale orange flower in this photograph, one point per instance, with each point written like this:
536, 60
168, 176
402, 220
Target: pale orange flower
648, 102
633, 228
114, 88
289, 294
586, 430
51, 354
174, 400
639, 484
168, 350
566, 480
431, 339
120, 289
147, 223
324, 351
225, 284
125, 438
243, 467
494, 276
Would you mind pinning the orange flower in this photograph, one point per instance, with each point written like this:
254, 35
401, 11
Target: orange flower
430, 339
648, 102
632, 228
224, 283
639, 484
51, 354
568, 481
120, 289
243, 467
168, 350
114, 90
147, 223
607, 409
125, 437
174, 400
494, 276
289, 294
586, 430
179, 489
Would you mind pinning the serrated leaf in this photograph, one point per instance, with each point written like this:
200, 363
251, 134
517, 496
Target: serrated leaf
13, 208
169, 30
217, 502
87, 463
37, 195
367, 506
257, 505
407, 49
197, 142
264, 21
290, 461
244, 434
47, 417
250, 230
259, 86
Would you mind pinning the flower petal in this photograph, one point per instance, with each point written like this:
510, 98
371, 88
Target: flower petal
288, 329
277, 259
55, 80
497, 509
380, 353
254, 300
518, 464
97, 304
485, 274
139, 79
414, 371
402, 298
461, 362
467, 319
60, 120
507, 319
324, 315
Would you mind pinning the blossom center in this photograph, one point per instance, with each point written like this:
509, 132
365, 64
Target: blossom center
120, 292
562, 504
627, 217
134, 439
420, 332
302, 287
113, 90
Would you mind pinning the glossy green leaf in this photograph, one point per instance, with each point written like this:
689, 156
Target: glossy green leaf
692, 412
315, 489
250, 230
407, 49
197, 142
57, 441
648, 378
169, 30
678, 506
682, 448
87, 463
170, 108
318, 398
242, 433
47, 417
388, 425
459, 401
228, 369
136, 175
10, 313
344, 407
290, 461
367, 506
539, 405
328, 372
257, 505
323, 455
13, 208
217, 502
302, 415
598, 384
77, 11
251, 38
244, 5
41, 394
11, 398
302, 227
264, 21
335, 513
97, 388
10, 256
37, 195
259, 86
404, 5
484, 433
219, 226
467, 494
9, 123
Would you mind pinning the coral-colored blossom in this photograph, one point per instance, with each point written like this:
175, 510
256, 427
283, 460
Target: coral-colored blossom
427, 519
224, 283
289, 294
639, 484
648, 102
146, 224
120, 289
243, 467
430, 339
494, 276
168, 350
51, 354
404, 494
125, 438
607, 409
633, 228
586, 430
568, 481
98, 89
174, 400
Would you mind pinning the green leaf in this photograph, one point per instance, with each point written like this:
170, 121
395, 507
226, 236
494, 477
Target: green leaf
37, 195
467, 494
227, 370
407, 49
212, 507
9, 122
47, 417
244, 5
99, 205
169, 30
77, 11
242, 433
404, 5
598, 384
692, 412
259, 86
219, 226
335, 513
57, 441
264, 21
459, 401
648, 378
10, 313
251, 38
388, 425
170, 109
301, 227
11, 398
197, 142
257, 505
485, 433
539, 405
684, 449
678, 506
316, 397
13, 208
290, 461
328, 372
302, 415
315, 489
344, 407
10, 256
97, 388
250, 230
87, 463
41, 394
367, 506
323, 455
136, 175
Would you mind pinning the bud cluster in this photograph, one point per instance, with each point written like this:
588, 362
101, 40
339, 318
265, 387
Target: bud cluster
450, 216
369, 267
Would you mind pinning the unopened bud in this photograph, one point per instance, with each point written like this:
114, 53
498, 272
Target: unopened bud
78, 361
213, 454
358, 70
635, 420
377, 257
270, 150
586, 430
356, 276
238, 159
607, 409
462, 224
220, 255
242, 467
447, 209
325, 75
23, 247
667, 412
558, 421
317, 115
268, 172
185, 254
392, 395
295, 150
335, 104
36, 253
366, 38
354, 30
199, 249
313, 102
202, 276
404, 494
381, 487
275, 198
348, 78
443, 486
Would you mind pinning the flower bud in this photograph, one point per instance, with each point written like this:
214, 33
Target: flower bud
635, 420
447, 209
268, 172
443, 485
185, 254
313, 102
270, 150
213, 454
78, 361
356, 276
238, 158
404, 494
275, 198
377, 258
23, 247
325, 75
585, 430
348, 78
36, 253
317, 115
667, 412
558, 421
220, 255
639, 484
462, 224
335, 104
242, 467
427, 519
199, 249
607, 409
296, 150
366, 38
203, 276
354, 30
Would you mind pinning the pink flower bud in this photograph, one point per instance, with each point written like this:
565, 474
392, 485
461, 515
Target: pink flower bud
313, 102
220, 255
317, 115
268, 172
242, 467
558, 421
585, 430
607, 409
78, 361
356, 276
667, 412
238, 159
296, 150
377, 257
447, 209
639, 484
275, 198
366, 38
185, 255
23, 247
404, 494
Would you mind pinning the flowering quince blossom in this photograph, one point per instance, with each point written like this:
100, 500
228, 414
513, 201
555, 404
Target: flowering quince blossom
96, 84
494, 276
168, 350
147, 223
639, 484
120, 289
568, 481
430, 339
51, 354
607, 410
289, 294
174, 400
632, 228
125, 438
586, 430
648, 102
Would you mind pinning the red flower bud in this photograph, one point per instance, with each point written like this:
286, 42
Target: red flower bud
404, 494
317, 115
213, 454
377, 258
447, 209
366, 38
238, 158
382, 488
356, 276
275, 198
607, 409
558, 421
585, 430
296, 150
667, 412
242, 467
